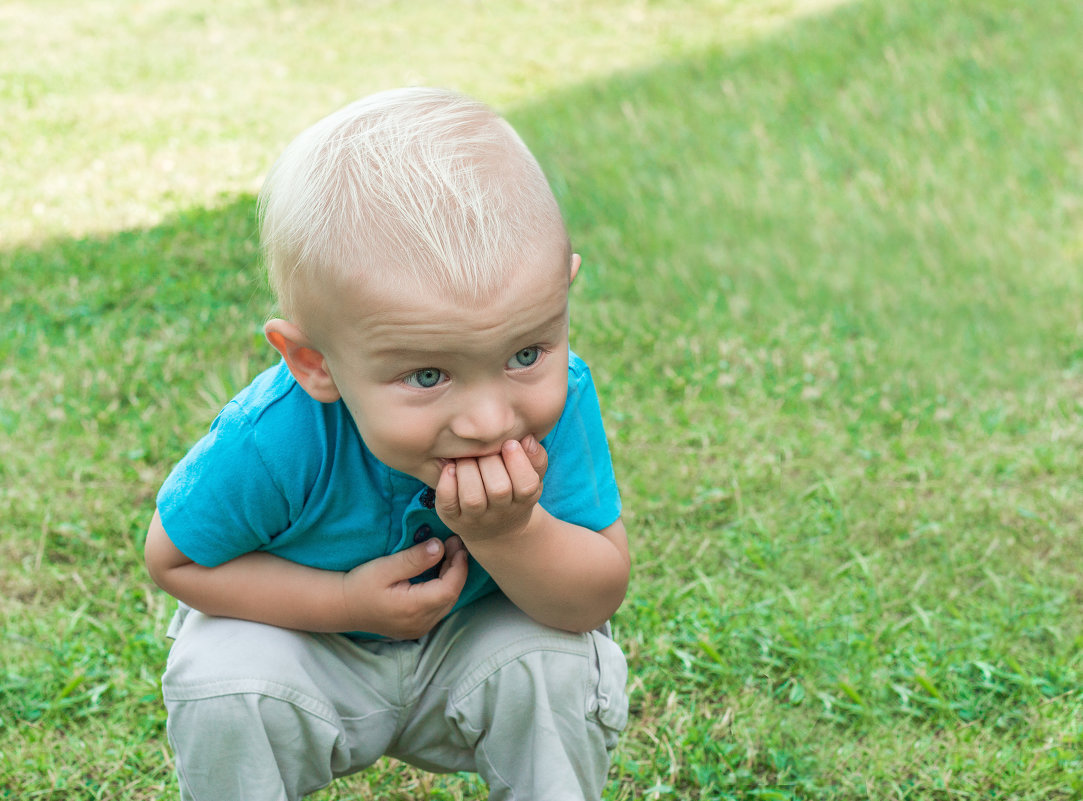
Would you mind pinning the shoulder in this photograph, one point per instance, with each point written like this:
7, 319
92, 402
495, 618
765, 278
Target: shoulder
271, 395
274, 403
272, 422
579, 376
581, 409
271, 456
580, 486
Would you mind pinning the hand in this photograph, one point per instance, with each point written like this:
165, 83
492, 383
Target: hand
379, 595
492, 496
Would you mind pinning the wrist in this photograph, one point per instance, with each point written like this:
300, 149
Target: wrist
510, 537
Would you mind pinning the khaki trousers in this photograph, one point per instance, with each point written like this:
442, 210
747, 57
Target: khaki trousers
258, 713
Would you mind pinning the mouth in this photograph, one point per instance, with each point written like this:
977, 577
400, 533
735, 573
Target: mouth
451, 460
496, 450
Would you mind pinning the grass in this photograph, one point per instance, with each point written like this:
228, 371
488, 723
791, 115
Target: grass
830, 294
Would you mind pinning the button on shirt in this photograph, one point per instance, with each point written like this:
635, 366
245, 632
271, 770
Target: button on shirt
283, 473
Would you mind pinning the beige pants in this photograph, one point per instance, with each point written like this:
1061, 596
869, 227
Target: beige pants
267, 714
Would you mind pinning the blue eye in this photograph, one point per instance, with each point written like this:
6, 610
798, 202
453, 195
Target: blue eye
524, 358
425, 379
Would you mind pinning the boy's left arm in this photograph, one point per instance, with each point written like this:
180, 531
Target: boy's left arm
563, 575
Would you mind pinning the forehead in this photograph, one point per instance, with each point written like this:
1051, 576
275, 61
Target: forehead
415, 318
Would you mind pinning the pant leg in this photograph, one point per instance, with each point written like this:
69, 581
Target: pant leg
535, 711
258, 713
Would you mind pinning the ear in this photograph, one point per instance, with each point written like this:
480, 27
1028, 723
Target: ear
306, 363
576, 262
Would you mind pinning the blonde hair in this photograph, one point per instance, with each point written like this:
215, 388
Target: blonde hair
418, 185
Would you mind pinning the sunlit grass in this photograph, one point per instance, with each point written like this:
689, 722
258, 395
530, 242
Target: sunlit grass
127, 112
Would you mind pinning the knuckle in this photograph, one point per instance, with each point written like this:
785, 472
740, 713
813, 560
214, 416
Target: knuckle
473, 502
531, 487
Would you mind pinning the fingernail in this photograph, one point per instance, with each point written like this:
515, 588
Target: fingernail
530, 444
433, 546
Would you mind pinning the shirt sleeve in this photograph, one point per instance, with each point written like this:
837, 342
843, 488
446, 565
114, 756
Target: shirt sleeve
580, 486
221, 500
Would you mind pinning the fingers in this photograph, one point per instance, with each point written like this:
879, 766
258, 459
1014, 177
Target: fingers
539, 458
447, 493
454, 566
471, 486
473, 498
450, 556
522, 470
494, 495
441, 567
416, 560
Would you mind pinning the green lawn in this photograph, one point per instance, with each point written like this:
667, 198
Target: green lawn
832, 295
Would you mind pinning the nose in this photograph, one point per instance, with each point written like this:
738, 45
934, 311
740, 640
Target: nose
486, 416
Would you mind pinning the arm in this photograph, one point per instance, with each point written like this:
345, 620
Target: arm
376, 597
561, 574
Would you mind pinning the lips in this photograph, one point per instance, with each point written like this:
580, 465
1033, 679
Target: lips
495, 451
452, 459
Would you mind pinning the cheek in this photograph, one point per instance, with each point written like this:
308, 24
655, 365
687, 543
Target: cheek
398, 432
390, 430
546, 405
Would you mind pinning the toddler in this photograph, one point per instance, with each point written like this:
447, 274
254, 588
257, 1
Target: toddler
405, 538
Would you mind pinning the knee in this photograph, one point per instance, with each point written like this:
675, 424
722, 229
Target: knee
543, 722
263, 745
575, 682
240, 702
607, 697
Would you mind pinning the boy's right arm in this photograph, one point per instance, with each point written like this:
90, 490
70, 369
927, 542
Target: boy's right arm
376, 597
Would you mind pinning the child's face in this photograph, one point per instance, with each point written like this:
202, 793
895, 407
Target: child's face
428, 379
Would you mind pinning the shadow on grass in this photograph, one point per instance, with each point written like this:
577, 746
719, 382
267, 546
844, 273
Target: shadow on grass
883, 171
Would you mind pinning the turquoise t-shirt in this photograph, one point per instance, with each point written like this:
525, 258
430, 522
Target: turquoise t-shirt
283, 473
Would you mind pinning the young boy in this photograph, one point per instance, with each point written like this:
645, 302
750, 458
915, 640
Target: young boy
405, 539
